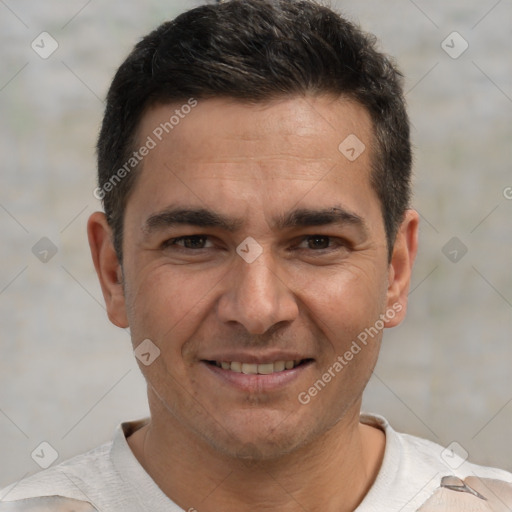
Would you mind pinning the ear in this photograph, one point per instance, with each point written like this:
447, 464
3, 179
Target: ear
400, 267
107, 267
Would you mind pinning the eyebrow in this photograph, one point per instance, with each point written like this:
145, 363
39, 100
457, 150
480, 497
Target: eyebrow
202, 217
196, 217
306, 217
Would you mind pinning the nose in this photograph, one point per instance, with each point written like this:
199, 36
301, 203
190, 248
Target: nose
256, 297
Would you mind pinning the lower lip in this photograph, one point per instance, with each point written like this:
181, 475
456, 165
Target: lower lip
257, 383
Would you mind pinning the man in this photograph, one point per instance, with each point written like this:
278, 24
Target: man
254, 165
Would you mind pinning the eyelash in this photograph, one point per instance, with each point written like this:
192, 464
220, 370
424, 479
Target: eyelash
334, 242
172, 241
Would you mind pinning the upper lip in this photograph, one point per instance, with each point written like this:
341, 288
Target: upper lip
256, 358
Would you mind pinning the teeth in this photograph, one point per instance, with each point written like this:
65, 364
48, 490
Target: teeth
236, 367
279, 366
266, 369
260, 369
249, 368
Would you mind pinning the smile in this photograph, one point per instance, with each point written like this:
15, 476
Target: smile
257, 369
257, 375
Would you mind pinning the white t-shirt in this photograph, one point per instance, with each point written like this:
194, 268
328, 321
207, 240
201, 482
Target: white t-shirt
110, 479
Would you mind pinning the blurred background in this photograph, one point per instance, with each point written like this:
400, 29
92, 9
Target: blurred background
68, 377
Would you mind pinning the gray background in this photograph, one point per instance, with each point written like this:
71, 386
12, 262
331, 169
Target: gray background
68, 377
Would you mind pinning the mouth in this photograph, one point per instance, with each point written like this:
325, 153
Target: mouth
266, 368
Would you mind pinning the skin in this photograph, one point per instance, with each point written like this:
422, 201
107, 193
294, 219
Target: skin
210, 444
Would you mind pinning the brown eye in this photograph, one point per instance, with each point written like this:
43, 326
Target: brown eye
194, 242
318, 242
189, 242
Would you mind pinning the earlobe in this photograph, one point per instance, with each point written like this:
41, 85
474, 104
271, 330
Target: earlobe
107, 267
400, 267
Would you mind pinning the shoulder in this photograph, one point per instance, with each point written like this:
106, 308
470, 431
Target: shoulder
473, 494
460, 484
449, 460
71, 479
422, 475
415, 454
47, 504
105, 478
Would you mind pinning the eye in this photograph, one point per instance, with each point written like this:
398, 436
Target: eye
317, 242
189, 242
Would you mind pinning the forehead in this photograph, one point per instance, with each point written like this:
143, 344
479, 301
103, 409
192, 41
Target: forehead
235, 149
287, 126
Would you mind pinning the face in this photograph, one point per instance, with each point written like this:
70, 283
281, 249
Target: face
254, 256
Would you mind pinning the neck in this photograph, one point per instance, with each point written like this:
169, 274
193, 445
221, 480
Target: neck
333, 473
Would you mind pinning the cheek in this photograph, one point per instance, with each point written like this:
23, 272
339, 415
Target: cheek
345, 308
158, 301
344, 301
168, 305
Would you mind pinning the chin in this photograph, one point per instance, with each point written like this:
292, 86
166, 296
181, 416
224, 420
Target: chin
261, 450
272, 440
